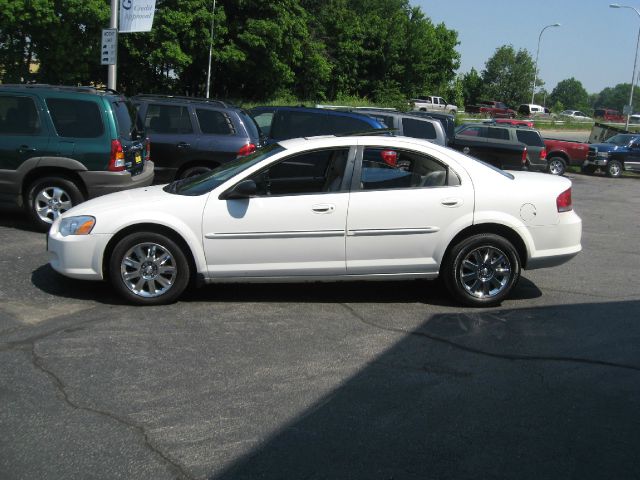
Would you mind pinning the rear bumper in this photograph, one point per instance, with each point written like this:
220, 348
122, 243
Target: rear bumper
555, 244
102, 183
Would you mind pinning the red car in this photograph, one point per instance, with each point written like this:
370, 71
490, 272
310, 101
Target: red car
609, 115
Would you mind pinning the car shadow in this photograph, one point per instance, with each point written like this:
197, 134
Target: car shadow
527, 394
430, 292
16, 218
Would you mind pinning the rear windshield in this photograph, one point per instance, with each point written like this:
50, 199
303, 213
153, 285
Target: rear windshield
127, 122
250, 124
530, 138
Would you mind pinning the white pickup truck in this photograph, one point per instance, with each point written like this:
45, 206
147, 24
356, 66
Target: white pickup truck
433, 104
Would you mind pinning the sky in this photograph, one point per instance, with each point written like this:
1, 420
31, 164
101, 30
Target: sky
595, 44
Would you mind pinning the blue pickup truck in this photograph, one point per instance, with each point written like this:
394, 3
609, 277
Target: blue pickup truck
619, 153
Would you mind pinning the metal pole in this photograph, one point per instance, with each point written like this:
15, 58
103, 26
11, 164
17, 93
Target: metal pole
635, 61
633, 78
112, 70
213, 11
535, 68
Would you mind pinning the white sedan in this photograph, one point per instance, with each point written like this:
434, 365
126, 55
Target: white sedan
325, 209
576, 115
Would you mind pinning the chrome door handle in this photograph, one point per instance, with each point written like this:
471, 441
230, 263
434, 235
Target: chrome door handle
323, 208
183, 145
26, 148
451, 202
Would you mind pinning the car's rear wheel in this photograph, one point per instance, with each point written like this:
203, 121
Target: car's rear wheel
48, 197
481, 270
614, 168
557, 166
148, 268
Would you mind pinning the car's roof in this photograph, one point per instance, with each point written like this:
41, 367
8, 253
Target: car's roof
38, 87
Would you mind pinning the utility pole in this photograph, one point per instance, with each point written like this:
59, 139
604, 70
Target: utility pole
213, 11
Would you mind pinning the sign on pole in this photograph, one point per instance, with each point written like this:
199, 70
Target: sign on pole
109, 50
627, 110
136, 15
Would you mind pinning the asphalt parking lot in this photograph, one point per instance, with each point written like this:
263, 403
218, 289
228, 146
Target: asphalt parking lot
329, 381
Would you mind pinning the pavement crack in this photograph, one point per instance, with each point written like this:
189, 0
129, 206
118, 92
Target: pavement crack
38, 363
478, 351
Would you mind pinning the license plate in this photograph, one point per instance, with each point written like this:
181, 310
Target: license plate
138, 158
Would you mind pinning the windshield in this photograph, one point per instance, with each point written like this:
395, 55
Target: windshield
128, 123
201, 184
620, 139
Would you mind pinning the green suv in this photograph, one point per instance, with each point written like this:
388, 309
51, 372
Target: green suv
62, 145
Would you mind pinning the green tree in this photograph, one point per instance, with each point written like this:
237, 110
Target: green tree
617, 97
472, 86
60, 37
508, 76
570, 92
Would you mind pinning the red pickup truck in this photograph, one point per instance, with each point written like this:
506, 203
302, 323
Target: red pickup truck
562, 153
492, 109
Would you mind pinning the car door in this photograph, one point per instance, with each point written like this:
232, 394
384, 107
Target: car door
632, 160
472, 140
402, 203
294, 226
23, 133
173, 138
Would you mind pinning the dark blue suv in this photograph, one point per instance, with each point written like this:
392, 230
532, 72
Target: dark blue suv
281, 123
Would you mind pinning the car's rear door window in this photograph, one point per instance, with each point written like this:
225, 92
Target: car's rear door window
385, 168
498, 133
415, 128
530, 138
127, 121
168, 119
75, 118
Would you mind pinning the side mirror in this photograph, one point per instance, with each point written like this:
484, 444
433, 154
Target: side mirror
244, 189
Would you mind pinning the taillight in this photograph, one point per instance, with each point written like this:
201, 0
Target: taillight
389, 157
246, 149
116, 162
524, 156
563, 202
543, 154
147, 149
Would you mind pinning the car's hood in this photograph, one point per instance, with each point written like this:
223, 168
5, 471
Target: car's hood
126, 199
607, 147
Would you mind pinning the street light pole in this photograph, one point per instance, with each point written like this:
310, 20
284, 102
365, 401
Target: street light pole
213, 11
535, 70
635, 61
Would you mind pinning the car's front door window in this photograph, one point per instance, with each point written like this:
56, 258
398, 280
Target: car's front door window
312, 172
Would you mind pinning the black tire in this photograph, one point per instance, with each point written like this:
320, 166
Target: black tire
47, 197
161, 263
557, 166
614, 169
194, 171
481, 270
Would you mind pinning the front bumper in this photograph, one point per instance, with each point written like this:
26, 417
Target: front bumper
595, 162
77, 256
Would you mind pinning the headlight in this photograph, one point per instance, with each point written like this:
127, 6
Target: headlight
76, 225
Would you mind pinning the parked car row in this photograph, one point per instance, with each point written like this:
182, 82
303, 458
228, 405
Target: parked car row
236, 210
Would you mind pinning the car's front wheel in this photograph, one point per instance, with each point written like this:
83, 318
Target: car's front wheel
148, 268
48, 197
614, 168
481, 270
